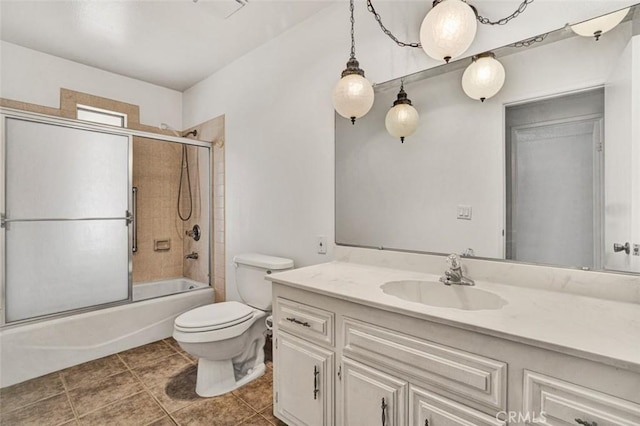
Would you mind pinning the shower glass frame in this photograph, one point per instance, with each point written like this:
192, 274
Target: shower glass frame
9, 113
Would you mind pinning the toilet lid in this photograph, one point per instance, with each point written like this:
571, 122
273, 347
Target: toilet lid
214, 316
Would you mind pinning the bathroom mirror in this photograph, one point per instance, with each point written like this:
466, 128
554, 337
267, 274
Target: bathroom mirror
547, 171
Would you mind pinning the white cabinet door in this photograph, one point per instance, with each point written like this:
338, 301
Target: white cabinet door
303, 382
370, 397
429, 409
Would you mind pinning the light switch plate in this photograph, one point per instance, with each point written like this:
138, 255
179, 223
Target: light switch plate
321, 244
464, 212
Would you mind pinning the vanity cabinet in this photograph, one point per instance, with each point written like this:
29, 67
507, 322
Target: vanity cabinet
376, 367
304, 364
303, 393
430, 409
371, 397
567, 403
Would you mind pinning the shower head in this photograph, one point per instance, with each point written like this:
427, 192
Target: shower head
165, 126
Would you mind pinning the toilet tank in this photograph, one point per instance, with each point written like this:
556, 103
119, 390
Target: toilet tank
251, 269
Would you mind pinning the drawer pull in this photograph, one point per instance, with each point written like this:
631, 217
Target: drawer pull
426, 422
586, 423
315, 382
384, 408
297, 321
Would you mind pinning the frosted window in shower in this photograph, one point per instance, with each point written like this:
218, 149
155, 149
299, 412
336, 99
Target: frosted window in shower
62, 172
66, 201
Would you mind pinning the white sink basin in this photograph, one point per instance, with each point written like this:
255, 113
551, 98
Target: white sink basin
437, 294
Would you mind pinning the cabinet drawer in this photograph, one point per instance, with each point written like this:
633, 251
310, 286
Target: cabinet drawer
426, 408
563, 403
470, 376
304, 320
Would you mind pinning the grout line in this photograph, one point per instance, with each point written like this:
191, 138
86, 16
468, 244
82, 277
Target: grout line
145, 387
271, 423
110, 404
4, 413
148, 389
76, 417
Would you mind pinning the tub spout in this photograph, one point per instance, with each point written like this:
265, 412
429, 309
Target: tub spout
193, 255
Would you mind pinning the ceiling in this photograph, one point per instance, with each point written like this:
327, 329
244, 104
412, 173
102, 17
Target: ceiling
171, 43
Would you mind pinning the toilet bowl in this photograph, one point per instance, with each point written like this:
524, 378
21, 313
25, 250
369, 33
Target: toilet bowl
228, 338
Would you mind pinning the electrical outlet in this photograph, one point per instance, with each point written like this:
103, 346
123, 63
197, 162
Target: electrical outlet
321, 244
464, 212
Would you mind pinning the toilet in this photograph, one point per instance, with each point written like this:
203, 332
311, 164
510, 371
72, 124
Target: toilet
228, 337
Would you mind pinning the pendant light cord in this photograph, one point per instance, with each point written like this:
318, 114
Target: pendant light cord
353, 37
480, 19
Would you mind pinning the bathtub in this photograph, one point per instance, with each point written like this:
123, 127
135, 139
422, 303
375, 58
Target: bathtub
144, 291
32, 350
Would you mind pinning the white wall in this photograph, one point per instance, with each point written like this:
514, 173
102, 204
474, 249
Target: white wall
279, 117
30, 76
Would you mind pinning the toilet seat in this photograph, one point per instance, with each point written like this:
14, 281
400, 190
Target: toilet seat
213, 317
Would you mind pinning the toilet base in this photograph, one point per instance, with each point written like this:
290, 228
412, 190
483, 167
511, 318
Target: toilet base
217, 377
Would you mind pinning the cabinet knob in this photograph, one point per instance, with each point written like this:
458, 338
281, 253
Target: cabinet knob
585, 422
617, 247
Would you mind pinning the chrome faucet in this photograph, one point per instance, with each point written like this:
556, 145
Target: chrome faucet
193, 255
454, 274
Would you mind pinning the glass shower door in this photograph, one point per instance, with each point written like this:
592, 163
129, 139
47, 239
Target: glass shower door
66, 226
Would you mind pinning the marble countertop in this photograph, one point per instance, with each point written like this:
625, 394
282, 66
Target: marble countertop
600, 330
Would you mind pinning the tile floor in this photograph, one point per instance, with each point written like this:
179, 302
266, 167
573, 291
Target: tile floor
149, 385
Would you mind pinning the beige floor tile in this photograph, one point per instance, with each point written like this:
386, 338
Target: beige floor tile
92, 371
259, 393
256, 420
172, 342
28, 392
161, 372
90, 397
267, 413
147, 354
165, 421
138, 409
51, 411
224, 410
179, 392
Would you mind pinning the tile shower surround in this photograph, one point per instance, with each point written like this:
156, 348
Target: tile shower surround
148, 385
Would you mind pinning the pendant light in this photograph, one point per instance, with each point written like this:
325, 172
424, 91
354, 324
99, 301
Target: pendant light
402, 119
448, 29
353, 94
598, 26
484, 77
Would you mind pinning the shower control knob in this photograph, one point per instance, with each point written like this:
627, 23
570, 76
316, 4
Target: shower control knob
194, 233
626, 247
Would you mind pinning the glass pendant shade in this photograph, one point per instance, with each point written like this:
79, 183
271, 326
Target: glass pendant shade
402, 119
483, 78
448, 29
598, 26
353, 96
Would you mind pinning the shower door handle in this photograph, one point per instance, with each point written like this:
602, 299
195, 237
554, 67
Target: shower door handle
134, 218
